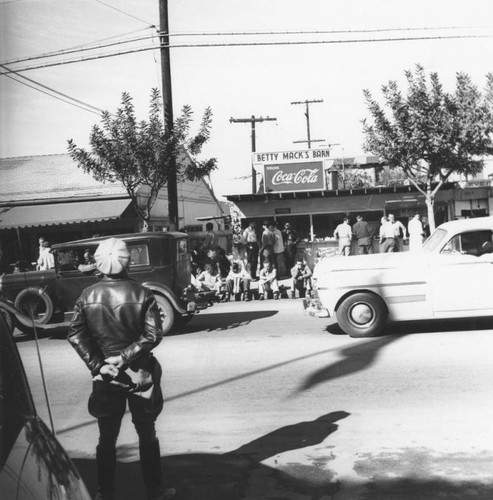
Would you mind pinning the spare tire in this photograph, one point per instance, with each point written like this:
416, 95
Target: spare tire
36, 303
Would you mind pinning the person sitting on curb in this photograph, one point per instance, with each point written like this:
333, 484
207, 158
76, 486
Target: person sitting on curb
238, 281
268, 281
210, 279
301, 281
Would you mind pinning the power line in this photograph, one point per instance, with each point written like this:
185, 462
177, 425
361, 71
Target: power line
92, 46
51, 95
63, 52
253, 44
71, 100
319, 32
123, 12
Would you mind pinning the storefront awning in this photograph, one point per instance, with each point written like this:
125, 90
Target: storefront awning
61, 213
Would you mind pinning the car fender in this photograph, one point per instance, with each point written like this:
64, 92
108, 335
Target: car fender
362, 290
166, 292
21, 318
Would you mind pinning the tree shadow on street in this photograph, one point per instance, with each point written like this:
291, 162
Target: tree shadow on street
237, 474
355, 358
214, 322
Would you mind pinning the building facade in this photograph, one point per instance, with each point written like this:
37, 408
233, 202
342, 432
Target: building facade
50, 196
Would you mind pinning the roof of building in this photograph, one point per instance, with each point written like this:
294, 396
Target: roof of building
50, 177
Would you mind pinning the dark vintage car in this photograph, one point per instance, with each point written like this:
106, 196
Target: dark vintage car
33, 464
158, 260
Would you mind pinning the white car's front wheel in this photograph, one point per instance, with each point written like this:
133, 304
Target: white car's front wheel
362, 315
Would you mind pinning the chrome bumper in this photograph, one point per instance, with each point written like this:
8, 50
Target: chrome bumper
313, 307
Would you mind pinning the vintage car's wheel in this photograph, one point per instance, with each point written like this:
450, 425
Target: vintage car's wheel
362, 315
167, 313
34, 302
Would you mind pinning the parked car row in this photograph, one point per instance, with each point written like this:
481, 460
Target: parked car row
451, 277
159, 260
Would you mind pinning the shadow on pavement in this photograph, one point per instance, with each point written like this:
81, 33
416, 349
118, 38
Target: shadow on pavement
355, 358
442, 325
213, 322
239, 473
429, 326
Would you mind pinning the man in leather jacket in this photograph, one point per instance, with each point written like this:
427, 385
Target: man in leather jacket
115, 326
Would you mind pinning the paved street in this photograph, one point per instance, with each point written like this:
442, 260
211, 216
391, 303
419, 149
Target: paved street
265, 403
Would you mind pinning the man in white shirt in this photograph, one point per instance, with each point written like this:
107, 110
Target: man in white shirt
344, 234
390, 233
416, 233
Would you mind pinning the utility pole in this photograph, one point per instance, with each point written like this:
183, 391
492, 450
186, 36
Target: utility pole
307, 114
253, 120
168, 109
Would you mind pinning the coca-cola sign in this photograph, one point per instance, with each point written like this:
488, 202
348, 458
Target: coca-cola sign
306, 176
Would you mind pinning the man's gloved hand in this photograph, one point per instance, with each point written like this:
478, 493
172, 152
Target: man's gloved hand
115, 361
108, 371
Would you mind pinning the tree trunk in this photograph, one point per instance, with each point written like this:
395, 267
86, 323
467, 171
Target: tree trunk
430, 202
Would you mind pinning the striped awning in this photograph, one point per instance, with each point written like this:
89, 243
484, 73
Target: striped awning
53, 214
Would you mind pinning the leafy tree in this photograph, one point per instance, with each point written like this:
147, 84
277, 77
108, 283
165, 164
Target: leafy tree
430, 133
354, 178
140, 154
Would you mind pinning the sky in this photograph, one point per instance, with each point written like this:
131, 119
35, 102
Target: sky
235, 82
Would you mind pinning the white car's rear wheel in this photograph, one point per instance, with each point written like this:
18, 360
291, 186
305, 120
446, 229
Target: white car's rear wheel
362, 315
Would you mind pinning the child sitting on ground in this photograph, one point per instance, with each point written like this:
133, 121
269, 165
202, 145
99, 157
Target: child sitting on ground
238, 281
268, 281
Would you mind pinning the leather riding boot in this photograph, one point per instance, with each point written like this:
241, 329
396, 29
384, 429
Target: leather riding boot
105, 463
150, 463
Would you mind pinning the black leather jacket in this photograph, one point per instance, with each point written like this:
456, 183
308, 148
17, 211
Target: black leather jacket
116, 316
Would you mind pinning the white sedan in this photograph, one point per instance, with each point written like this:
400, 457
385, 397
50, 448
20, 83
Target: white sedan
451, 277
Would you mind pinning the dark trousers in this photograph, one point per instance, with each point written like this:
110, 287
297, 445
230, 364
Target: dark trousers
252, 258
388, 245
244, 285
108, 404
150, 456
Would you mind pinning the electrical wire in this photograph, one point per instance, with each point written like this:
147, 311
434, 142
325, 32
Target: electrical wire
317, 32
122, 11
65, 98
92, 46
251, 44
51, 95
76, 50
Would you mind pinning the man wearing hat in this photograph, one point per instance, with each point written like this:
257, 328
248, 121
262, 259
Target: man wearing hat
115, 326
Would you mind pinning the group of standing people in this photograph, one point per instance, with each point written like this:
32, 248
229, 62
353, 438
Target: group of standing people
264, 256
392, 234
276, 246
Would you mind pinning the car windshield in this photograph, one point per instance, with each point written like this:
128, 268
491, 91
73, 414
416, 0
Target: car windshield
434, 241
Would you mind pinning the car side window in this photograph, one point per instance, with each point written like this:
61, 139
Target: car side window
470, 243
182, 248
139, 254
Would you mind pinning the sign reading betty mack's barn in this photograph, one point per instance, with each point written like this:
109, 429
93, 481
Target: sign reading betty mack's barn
288, 171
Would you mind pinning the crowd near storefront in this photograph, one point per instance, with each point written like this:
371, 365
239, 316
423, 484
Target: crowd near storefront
308, 195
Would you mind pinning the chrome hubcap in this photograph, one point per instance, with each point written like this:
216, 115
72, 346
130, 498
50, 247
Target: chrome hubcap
361, 314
